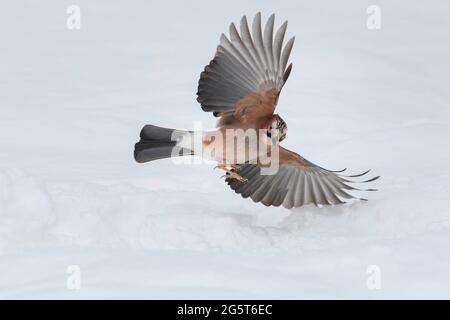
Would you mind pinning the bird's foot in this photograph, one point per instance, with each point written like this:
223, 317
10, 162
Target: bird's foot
231, 174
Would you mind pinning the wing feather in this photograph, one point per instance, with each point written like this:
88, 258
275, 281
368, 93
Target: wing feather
268, 46
245, 64
289, 201
258, 40
300, 198
238, 51
286, 52
245, 51
279, 37
248, 42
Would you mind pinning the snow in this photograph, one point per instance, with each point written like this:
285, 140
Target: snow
72, 105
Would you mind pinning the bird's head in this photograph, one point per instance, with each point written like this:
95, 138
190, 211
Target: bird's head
277, 129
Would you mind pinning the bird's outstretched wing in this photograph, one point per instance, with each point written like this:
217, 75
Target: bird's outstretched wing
248, 71
296, 183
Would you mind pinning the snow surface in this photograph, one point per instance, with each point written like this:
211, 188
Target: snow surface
72, 105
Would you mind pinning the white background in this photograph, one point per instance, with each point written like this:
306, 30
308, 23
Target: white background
72, 103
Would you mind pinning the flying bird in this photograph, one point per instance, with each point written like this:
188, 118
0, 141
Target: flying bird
241, 86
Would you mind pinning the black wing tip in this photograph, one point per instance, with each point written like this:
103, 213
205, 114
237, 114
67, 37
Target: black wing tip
371, 179
336, 171
365, 181
357, 175
287, 73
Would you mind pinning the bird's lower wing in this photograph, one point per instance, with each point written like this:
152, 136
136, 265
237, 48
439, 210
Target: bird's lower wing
296, 183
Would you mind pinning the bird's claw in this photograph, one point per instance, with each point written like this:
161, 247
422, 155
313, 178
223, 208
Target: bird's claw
233, 175
230, 172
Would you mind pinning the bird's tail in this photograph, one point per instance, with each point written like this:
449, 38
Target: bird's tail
160, 143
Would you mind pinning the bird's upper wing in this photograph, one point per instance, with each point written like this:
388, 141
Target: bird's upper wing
248, 71
297, 182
